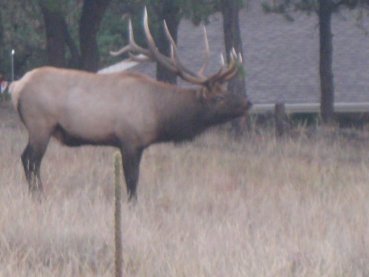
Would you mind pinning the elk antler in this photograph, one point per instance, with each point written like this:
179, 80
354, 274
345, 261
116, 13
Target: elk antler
173, 63
207, 53
228, 72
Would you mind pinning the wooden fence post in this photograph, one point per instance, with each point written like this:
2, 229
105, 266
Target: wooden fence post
282, 124
118, 216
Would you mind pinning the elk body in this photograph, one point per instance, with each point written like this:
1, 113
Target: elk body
126, 110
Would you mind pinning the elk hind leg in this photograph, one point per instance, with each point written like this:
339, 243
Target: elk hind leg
31, 160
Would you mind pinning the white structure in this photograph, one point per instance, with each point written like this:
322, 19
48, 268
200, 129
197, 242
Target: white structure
282, 57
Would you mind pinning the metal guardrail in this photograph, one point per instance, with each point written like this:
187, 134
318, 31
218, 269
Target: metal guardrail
296, 108
290, 108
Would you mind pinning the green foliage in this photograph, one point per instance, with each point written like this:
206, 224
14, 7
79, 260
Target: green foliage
22, 26
241, 70
287, 7
52, 5
23, 32
279, 8
112, 33
5, 96
198, 11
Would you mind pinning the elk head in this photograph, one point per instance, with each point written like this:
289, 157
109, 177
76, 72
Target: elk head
220, 104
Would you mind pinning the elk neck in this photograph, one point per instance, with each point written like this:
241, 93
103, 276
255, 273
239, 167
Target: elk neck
182, 115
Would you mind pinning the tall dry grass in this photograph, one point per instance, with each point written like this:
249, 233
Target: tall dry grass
215, 207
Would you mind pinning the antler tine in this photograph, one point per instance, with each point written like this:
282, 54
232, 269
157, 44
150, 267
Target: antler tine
132, 45
232, 69
128, 47
233, 54
227, 72
207, 53
240, 59
174, 53
222, 62
138, 58
150, 39
165, 61
173, 46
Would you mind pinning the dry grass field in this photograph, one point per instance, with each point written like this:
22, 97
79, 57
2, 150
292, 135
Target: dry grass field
213, 207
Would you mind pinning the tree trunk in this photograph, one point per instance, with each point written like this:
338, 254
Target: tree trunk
92, 14
232, 39
325, 66
55, 35
169, 12
75, 58
2, 50
1, 31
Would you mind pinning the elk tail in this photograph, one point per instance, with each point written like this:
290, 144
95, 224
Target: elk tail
14, 91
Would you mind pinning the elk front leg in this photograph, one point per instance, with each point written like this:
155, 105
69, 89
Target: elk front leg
131, 158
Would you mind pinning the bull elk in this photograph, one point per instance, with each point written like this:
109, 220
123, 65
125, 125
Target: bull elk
125, 110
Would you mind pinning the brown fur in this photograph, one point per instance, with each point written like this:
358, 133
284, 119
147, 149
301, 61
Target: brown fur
126, 110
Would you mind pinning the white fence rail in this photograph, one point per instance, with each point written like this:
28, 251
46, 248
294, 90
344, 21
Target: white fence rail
296, 108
